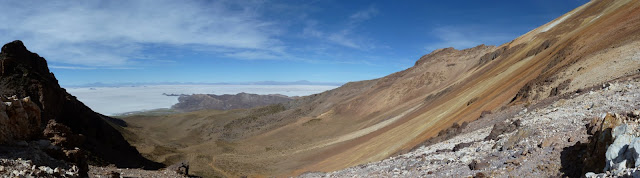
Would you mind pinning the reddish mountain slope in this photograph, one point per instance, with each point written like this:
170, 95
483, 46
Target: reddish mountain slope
371, 120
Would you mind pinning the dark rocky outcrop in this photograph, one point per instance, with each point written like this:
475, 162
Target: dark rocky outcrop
25, 74
226, 102
501, 128
19, 119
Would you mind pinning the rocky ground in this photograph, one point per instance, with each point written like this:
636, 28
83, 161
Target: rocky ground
29, 159
108, 172
556, 137
27, 150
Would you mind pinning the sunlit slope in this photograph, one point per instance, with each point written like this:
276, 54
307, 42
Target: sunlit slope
576, 46
370, 120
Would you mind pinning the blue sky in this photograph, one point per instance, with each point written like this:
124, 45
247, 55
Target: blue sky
243, 41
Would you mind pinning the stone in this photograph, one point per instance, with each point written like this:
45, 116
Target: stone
478, 165
515, 161
461, 146
615, 155
619, 130
590, 174
44, 144
634, 148
19, 119
61, 135
480, 175
114, 174
547, 142
501, 128
21, 143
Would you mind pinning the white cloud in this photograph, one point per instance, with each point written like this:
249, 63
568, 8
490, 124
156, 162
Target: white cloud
254, 55
365, 14
345, 36
111, 33
462, 37
71, 67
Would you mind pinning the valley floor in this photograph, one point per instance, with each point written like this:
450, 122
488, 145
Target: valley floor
539, 144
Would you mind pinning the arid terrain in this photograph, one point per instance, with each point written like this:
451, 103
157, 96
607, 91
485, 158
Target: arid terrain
560, 100
368, 121
547, 139
196, 102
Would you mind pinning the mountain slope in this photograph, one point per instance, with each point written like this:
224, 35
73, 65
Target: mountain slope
26, 74
539, 66
371, 120
196, 102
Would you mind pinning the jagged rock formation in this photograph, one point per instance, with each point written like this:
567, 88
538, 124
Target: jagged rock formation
19, 119
196, 102
25, 74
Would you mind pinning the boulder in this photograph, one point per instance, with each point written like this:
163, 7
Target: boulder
634, 148
600, 129
19, 119
61, 135
502, 128
622, 152
616, 155
478, 165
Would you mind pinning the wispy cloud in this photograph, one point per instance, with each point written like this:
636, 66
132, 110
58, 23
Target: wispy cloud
344, 36
90, 68
113, 33
254, 55
365, 14
71, 67
461, 37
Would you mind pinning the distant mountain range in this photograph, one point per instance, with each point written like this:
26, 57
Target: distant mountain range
124, 84
226, 102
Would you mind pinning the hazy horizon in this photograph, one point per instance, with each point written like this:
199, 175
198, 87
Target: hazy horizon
118, 100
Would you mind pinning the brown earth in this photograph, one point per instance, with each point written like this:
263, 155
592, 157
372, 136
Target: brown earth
368, 121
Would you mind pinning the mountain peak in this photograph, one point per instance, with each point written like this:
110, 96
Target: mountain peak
15, 57
14, 46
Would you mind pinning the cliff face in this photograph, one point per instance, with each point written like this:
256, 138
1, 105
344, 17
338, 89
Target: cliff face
226, 102
25, 74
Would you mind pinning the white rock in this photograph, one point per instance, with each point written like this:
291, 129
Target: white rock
634, 147
616, 152
590, 174
621, 129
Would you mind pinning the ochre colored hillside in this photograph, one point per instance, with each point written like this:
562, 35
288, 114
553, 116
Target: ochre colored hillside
371, 120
